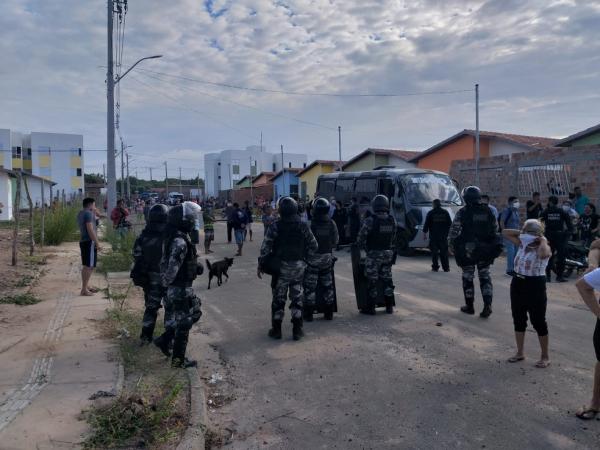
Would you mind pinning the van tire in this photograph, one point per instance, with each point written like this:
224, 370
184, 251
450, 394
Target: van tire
403, 247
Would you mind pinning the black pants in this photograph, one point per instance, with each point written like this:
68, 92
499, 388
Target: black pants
558, 245
229, 231
439, 249
528, 297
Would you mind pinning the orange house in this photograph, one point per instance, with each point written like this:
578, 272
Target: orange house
462, 146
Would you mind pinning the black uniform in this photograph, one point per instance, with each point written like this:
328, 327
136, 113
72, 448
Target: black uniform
558, 229
147, 253
437, 224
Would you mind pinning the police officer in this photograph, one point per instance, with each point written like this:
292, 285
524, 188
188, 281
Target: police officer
147, 253
179, 268
437, 224
288, 243
377, 237
473, 240
319, 267
558, 229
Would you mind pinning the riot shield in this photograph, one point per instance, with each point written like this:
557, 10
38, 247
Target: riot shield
361, 283
319, 304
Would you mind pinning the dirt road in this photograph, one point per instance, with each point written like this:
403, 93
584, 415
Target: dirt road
399, 381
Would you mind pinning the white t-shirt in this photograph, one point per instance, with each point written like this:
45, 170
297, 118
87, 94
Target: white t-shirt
528, 263
593, 279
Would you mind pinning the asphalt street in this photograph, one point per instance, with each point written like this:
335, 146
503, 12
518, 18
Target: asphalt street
427, 376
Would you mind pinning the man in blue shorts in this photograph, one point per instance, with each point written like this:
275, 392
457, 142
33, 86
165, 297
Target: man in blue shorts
88, 244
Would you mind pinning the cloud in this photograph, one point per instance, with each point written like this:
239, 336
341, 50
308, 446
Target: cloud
531, 58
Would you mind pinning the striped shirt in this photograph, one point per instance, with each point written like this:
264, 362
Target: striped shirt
528, 263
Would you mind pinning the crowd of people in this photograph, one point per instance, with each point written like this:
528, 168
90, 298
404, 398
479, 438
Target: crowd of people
298, 252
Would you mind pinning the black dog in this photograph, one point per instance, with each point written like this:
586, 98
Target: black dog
218, 269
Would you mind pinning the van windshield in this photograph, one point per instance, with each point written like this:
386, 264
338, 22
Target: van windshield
424, 188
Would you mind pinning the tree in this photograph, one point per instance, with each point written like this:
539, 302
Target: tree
93, 178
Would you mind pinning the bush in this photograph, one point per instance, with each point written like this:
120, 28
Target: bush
60, 225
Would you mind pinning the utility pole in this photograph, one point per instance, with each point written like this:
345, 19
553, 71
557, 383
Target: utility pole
166, 181
122, 170
128, 184
340, 146
251, 181
282, 169
110, 115
477, 135
104, 173
180, 187
199, 196
150, 173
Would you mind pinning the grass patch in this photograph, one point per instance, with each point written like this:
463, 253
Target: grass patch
60, 225
25, 281
20, 299
119, 259
153, 408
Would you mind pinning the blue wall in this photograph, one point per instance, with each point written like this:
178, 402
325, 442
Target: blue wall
285, 184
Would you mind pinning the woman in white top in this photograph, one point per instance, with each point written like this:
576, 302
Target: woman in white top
528, 286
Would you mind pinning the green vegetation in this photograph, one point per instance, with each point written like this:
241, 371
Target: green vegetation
60, 225
20, 299
152, 409
119, 259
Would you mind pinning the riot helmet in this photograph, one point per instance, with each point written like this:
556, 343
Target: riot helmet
380, 203
320, 207
185, 217
472, 195
158, 214
287, 207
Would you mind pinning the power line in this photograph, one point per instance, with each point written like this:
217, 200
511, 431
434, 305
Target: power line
306, 122
312, 94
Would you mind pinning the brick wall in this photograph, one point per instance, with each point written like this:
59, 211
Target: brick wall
551, 171
260, 194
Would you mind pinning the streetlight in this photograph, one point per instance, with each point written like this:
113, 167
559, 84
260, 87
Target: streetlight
111, 194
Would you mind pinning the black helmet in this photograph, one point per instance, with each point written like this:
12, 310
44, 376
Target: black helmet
320, 207
380, 203
158, 214
287, 207
472, 195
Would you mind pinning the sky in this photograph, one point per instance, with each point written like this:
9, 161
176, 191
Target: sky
537, 63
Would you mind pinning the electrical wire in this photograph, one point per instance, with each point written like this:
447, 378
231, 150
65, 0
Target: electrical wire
311, 94
302, 121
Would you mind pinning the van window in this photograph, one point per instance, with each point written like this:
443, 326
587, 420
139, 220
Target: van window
326, 187
344, 186
366, 186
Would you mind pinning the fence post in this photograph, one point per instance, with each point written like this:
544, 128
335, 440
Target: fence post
30, 202
43, 218
16, 211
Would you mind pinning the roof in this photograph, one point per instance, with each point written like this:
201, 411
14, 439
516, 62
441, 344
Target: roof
576, 136
293, 170
13, 173
323, 162
266, 174
245, 178
406, 155
532, 142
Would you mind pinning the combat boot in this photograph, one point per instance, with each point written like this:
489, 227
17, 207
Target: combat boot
297, 329
389, 304
163, 342
146, 335
328, 313
307, 314
179, 346
486, 312
178, 363
275, 331
468, 308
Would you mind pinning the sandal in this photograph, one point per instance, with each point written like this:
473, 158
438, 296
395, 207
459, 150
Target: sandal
542, 363
514, 359
587, 413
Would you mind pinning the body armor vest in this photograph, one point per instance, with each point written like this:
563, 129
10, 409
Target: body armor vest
189, 269
290, 241
322, 231
380, 237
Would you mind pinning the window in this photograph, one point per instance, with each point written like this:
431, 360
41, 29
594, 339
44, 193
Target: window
366, 186
344, 186
326, 186
16, 152
79, 151
78, 172
235, 166
294, 189
550, 179
290, 164
75, 152
303, 188
253, 170
274, 167
218, 164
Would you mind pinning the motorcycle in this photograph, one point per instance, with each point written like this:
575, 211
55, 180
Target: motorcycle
576, 260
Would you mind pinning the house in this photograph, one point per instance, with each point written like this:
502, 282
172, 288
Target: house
461, 146
263, 179
285, 182
589, 136
308, 177
40, 191
245, 182
378, 157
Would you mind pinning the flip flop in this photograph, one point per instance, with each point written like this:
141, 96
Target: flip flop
542, 364
587, 413
514, 359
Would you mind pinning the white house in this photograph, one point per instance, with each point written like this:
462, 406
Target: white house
224, 169
40, 190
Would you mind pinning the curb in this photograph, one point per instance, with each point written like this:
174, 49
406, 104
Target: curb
193, 439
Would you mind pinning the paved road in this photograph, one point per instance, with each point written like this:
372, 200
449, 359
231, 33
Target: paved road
396, 381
